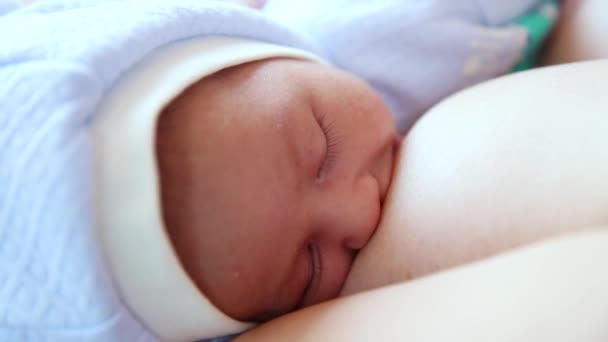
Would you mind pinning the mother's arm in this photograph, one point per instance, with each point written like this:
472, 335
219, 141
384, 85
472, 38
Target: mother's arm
581, 33
554, 291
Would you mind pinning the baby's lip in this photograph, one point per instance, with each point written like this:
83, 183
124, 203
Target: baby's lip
310, 293
330, 275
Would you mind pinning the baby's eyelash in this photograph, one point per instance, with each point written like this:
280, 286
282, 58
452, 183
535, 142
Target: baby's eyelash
332, 143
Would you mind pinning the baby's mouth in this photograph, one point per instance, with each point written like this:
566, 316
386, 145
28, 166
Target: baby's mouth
308, 298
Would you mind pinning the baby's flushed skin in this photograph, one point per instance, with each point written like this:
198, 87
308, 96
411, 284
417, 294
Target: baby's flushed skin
273, 175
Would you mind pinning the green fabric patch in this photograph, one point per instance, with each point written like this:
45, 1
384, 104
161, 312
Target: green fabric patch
538, 23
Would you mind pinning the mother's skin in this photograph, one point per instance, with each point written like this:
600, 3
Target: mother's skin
500, 165
580, 34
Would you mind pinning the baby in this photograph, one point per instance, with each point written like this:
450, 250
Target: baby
236, 177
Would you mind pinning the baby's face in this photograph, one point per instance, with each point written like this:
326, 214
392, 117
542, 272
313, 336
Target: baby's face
273, 175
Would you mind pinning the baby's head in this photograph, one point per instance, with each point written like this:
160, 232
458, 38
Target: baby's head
236, 175
273, 175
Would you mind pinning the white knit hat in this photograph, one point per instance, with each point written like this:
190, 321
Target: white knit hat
138, 251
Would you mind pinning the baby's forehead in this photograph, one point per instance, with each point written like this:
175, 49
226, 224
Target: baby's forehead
268, 90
